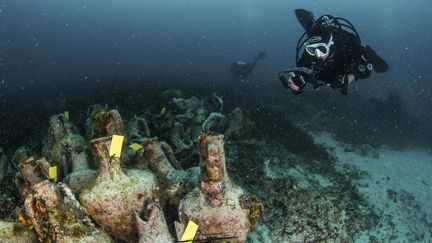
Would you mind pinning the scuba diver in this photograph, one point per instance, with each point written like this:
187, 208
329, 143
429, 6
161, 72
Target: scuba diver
242, 70
333, 55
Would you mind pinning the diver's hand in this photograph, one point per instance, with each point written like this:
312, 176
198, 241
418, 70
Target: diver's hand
351, 78
291, 83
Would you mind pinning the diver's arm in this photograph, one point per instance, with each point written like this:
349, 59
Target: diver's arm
296, 87
305, 61
295, 79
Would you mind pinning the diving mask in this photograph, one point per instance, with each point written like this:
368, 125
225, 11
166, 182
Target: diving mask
319, 49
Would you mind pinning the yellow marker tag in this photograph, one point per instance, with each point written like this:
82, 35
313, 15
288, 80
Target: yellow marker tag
52, 172
162, 111
190, 232
116, 146
135, 146
66, 115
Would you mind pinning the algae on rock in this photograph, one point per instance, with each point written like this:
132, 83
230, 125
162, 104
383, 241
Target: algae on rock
114, 196
68, 149
54, 212
13, 232
174, 183
104, 122
155, 228
64, 144
217, 205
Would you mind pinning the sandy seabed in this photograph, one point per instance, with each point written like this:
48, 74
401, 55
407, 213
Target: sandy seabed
398, 184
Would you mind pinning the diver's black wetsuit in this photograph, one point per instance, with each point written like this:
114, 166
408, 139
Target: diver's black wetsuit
348, 57
330, 55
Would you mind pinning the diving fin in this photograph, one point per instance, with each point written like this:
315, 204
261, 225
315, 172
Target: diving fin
379, 65
305, 18
261, 55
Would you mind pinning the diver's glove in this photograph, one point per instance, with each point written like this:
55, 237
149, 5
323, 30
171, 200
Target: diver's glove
295, 79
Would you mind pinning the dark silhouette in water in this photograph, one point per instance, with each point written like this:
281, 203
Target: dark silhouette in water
242, 70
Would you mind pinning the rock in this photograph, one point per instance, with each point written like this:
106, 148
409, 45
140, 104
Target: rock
174, 183
155, 228
192, 104
81, 174
215, 103
114, 196
64, 146
68, 149
179, 139
220, 208
21, 154
239, 126
213, 120
53, 210
180, 123
13, 232
138, 130
173, 93
104, 122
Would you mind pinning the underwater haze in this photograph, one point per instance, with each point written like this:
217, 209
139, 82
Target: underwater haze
63, 41
374, 145
54, 40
